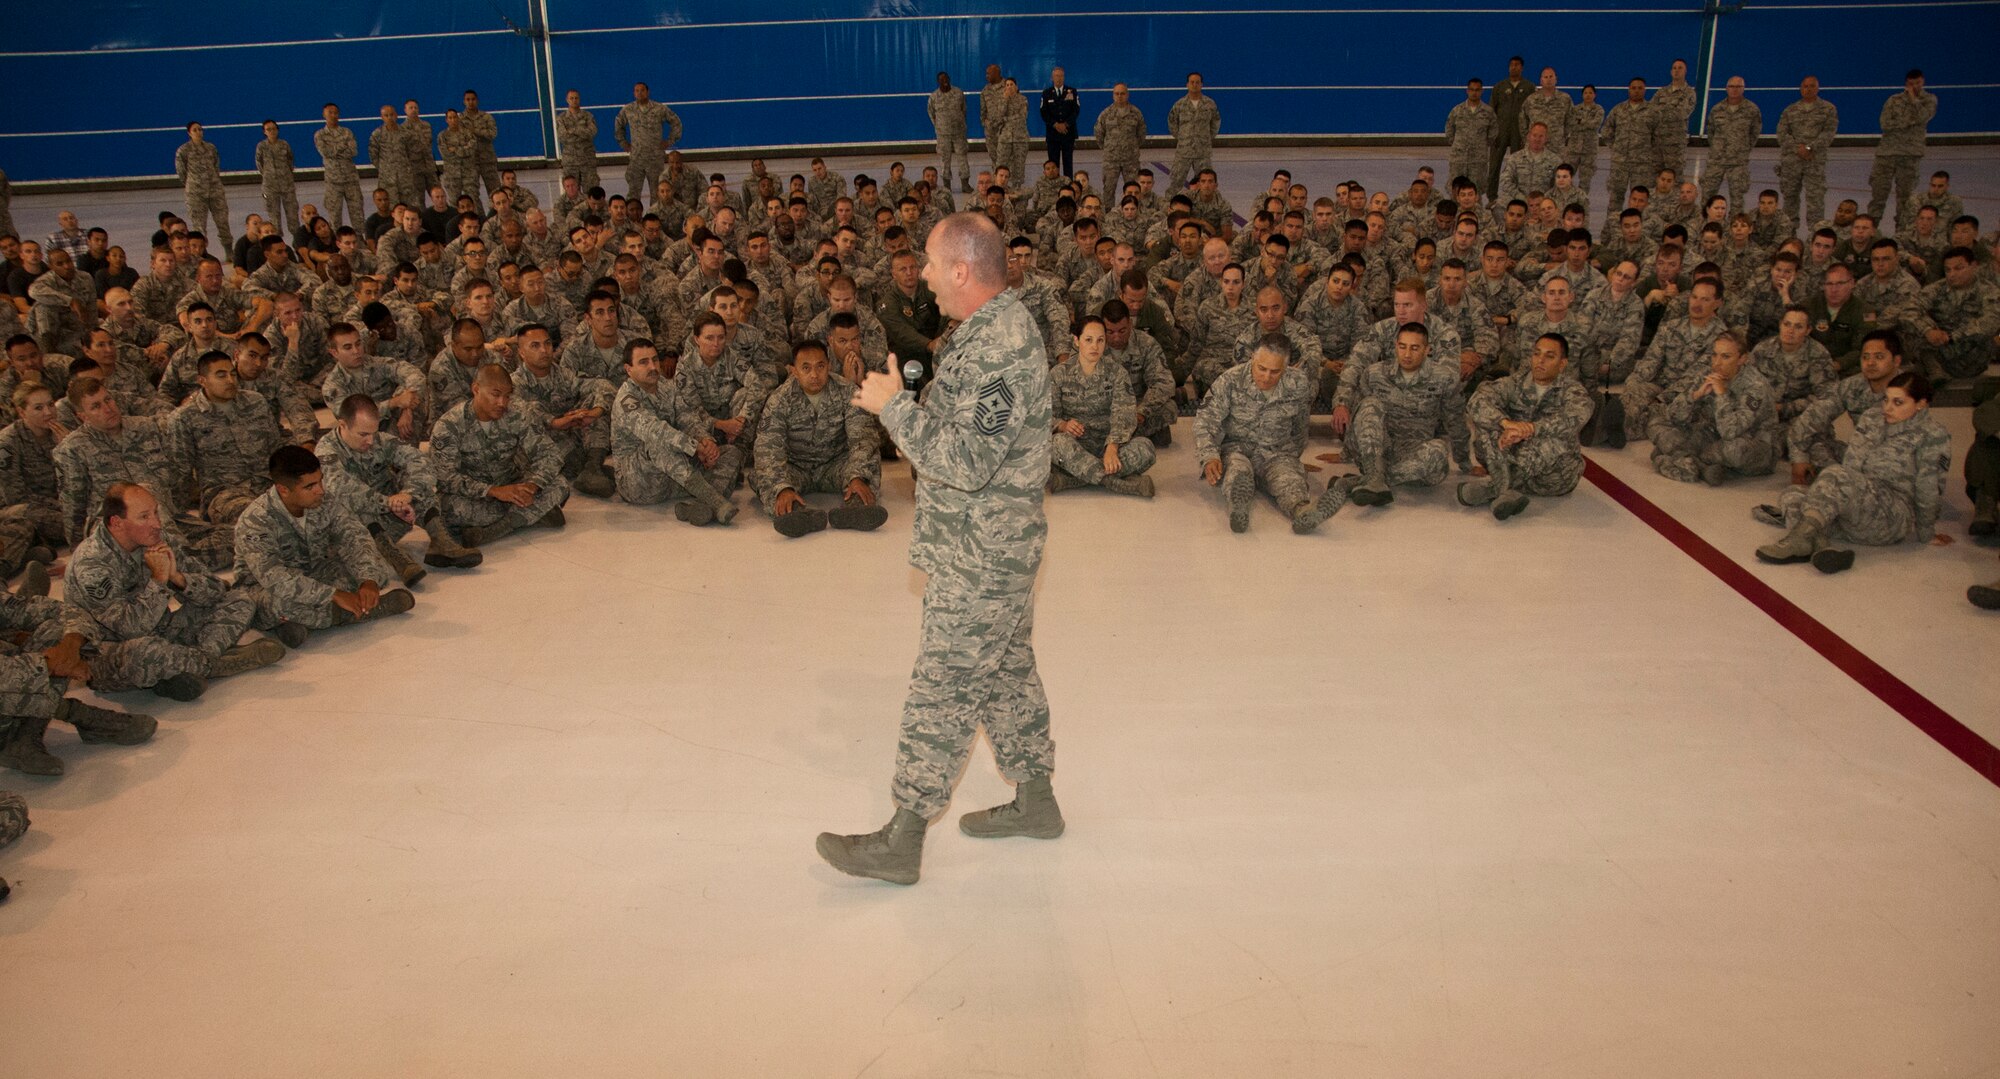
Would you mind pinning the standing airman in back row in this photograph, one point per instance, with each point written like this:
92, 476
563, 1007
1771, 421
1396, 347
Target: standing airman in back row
947, 113
1120, 131
639, 128
1194, 121
1805, 136
200, 171
1469, 129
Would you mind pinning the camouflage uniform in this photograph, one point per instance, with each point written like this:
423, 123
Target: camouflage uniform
1257, 436
1405, 424
655, 457
815, 445
470, 456
1737, 430
1673, 363
1893, 304
1616, 327
947, 115
460, 151
1732, 133
361, 482
391, 158
1213, 343
145, 631
419, 143
1469, 130
1121, 132
1905, 125
450, 380
1971, 315
562, 392
1152, 383
1808, 124
979, 445
1672, 105
89, 461
1809, 438
1526, 171
485, 161
1630, 129
1194, 125
731, 388
1014, 137
1378, 343
199, 169
380, 379
1102, 401
225, 450
343, 184
576, 142
33, 507
298, 563
1796, 378
1577, 328
1886, 490
638, 129
1552, 109
1549, 463
27, 689
1580, 142
54, 321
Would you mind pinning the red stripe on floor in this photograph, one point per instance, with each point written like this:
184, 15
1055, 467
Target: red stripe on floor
1922, 713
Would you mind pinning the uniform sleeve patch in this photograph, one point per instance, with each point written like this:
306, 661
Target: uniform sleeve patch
996, 407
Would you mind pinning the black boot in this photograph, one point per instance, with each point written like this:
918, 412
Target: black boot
22, 750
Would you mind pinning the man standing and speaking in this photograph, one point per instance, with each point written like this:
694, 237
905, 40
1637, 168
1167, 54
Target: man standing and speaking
979, 444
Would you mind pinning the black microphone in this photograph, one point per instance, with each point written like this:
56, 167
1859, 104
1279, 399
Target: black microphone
913, 375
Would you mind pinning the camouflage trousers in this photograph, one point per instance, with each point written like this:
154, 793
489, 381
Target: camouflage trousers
1850, 505
581, 167
1539, 466
221, 507
1673, 155
1982, 458
951, 147
1683, 453
1737, 176
281, 207
1403, 462
1189, 159
1211, 365
1083, 457
203, 203
1117, 169
1802, 177
825, 479
1957, 358
642, 174
1626, 174
1586, 171
25, 525
461, 511
1645, 409
1012, 153
1821, 448
1898, 171
341, 199
975, 665
486, 163
1470, 166
461, 178
1280, 475
649, 479
183, 644
26, 688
